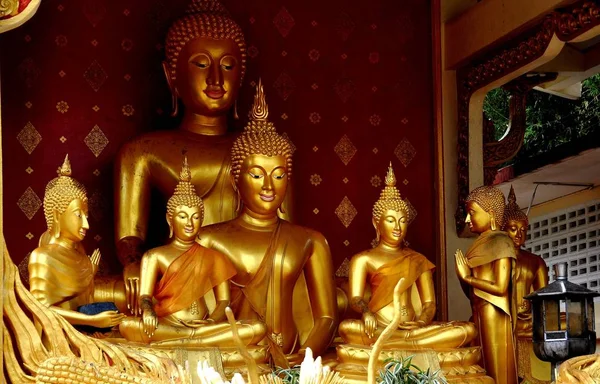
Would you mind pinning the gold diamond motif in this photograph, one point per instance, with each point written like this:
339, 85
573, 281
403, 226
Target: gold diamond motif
375, 150
405, 152
29, 203
345, 180
96, 172
96, 141
405, 182
316, 211
29, 170
29, 137
95, 108
346, 243
24, 269
97, 237
345, 149
29, 235
28, 105
63, 139
344, 269
315, 148
346, 212
412, 212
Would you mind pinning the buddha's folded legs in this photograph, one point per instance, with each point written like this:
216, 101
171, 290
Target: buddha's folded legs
442, 335
210, 335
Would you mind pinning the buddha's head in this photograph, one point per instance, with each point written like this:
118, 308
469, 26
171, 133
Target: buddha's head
66, 206
516, 220
391, 215
205, 59
485, 209
185, 209
261, 161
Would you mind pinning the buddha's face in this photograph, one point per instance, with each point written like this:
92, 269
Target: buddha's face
517, 231
478, 219
186, 222
73, 222
262, 183
208, 75
392, 227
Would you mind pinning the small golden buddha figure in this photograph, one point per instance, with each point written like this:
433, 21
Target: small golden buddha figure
272, 256
61, 275
204, 67
380, 269
486, 270
530, 272
175, 277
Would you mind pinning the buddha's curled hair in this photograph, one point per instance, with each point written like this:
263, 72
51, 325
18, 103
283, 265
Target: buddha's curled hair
259, 137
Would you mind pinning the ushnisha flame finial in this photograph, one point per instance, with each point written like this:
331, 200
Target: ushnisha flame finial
390, 178
185, 174
513, 212
260, 109
65, 168
185, 192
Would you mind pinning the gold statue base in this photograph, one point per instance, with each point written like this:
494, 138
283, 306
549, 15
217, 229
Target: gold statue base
459, 366
226, 361
529, 367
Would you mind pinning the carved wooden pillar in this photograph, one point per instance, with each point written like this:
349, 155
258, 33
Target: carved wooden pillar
498, 152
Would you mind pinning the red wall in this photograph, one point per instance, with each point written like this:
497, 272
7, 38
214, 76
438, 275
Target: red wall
360, 69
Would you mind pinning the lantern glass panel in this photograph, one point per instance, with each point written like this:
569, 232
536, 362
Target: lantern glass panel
551, 317
576, 317
538, 320
590, 314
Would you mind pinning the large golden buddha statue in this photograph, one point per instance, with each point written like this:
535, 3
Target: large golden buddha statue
486, 273
61, 275
204, 66
175, 278
380, 269
279, 264
530, 271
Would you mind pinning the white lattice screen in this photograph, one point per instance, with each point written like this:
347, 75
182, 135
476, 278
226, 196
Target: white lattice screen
571, 235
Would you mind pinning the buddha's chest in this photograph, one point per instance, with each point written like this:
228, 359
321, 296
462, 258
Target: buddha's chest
259, 254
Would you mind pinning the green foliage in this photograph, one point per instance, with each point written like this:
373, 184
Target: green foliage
288, 375
551, 120
405, 372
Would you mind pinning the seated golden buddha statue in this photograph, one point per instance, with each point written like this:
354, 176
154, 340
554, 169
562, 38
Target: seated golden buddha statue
381, 268
174, 279
61, 275
279, 264
204, 67
486, 274
530, 274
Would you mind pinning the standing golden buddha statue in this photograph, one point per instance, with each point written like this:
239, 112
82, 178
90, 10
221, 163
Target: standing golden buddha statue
61, 275
530, 274
381, 268
279, 264
175, 277
487, 271
204, 67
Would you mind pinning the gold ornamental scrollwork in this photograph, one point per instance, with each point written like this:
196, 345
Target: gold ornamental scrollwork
9, 7
566, 23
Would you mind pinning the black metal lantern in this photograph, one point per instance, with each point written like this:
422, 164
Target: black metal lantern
563, 320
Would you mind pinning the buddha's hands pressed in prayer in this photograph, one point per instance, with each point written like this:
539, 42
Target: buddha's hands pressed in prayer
95, 259
107, 319
462, 267
370, 323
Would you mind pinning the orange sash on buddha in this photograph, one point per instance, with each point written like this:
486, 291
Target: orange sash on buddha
488, 247
190, 277
410, 265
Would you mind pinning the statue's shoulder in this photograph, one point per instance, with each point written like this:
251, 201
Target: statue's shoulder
215, 231
42, 254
